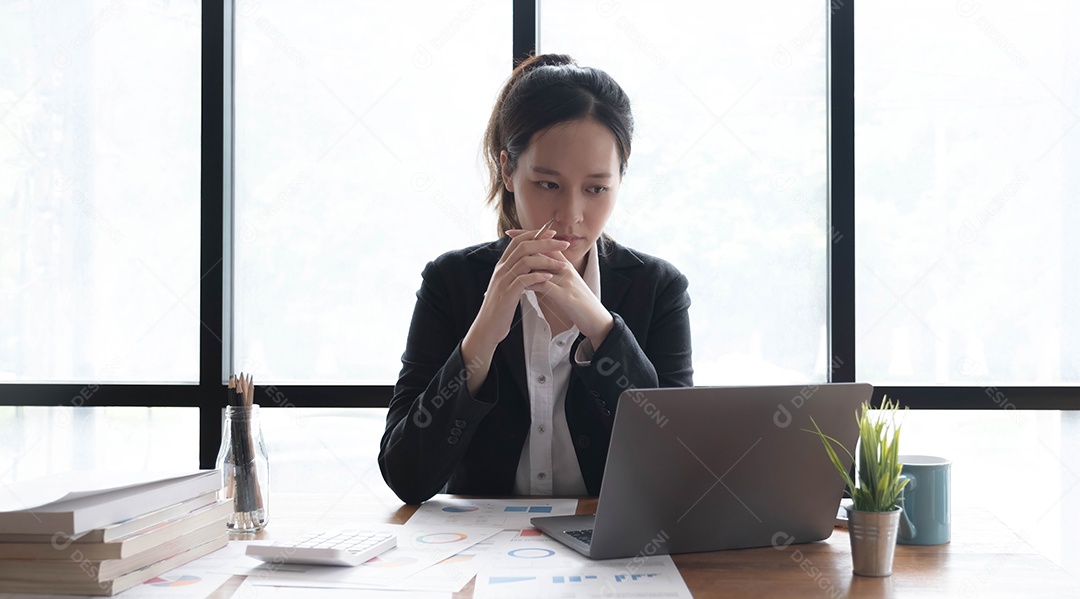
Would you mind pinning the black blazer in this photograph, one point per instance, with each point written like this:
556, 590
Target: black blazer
439, 437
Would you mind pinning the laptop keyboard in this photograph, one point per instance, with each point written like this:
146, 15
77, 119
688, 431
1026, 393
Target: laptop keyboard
584, 535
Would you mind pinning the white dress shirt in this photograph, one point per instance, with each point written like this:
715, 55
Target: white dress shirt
548, 464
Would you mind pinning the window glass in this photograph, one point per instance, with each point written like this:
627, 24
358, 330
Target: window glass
727, 179
99, 191
966, 185
334, 450
41, 440
358, 130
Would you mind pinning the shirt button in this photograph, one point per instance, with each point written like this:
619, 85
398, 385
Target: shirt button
541, 476
541, 429
560, 343
541, 379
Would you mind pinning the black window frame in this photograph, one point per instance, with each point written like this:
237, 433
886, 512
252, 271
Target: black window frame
216, 210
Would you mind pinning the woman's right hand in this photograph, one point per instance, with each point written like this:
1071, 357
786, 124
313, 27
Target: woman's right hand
522, 266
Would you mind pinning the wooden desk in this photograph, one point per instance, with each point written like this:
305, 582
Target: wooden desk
985, 559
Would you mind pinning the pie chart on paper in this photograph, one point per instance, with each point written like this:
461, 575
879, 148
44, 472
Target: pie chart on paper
531, 553
441, 538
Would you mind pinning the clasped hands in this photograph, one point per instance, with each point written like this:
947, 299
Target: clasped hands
537, 265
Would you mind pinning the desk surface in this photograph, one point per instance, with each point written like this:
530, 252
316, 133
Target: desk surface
986, 559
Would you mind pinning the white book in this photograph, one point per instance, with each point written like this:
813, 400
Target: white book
77, 567
88, 586
120, 530
60, 548
76, 502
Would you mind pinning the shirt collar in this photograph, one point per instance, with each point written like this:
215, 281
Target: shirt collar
591, 276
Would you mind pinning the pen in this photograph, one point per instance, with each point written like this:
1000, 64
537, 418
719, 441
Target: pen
544, 228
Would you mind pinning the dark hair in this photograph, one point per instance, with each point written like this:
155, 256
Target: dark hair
543, 91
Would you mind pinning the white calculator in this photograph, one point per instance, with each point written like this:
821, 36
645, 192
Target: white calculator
343, 548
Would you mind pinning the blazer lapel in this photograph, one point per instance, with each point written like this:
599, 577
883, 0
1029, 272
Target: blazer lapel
615, 276
512, 350
613, 286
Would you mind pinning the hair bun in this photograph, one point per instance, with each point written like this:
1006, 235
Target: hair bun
546, 60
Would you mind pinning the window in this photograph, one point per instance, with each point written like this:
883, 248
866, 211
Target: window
966, 149
357, 129
357, 161
40, 440
99, 191
333, 450
728, 175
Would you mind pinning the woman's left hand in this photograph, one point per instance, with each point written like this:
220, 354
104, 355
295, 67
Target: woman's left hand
572, 296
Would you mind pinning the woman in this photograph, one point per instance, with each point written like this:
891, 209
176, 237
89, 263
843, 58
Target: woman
519, 348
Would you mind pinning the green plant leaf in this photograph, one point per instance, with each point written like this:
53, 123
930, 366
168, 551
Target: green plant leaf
877, 456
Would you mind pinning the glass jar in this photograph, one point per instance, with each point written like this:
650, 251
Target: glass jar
245, 469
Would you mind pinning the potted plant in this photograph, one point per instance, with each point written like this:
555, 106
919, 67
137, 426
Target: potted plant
874, 516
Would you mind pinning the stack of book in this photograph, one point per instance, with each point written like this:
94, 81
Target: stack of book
99, 534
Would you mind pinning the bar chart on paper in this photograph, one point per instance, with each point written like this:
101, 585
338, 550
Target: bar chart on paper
531, 564
508, 514
654, 576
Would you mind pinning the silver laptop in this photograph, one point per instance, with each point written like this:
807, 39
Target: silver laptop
710, 468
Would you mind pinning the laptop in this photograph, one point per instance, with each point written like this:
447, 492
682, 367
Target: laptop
711, 468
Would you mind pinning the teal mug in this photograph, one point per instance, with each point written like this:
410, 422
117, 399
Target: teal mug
927, 501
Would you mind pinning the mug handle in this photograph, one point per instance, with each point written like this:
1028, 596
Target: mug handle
907, 527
